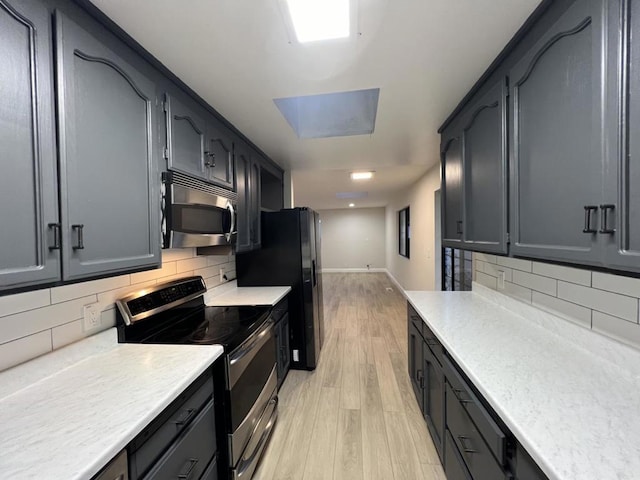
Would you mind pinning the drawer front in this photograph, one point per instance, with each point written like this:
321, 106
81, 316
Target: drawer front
192, 452
472, 447
434, 344
415, 319
160, 439
211, 473
454, 465
493, 435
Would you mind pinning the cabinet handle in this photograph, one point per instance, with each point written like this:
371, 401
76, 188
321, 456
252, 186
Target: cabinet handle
186, 416
190, 466
420, 378
431, 342
458, 394
80, 245
587, 218
465, 448
56, 236
605, 218
459, 226
211, 159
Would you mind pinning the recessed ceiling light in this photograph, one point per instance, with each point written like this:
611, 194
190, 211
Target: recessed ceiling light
352, 204
315, 20
361, 175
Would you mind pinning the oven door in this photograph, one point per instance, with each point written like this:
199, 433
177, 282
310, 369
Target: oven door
251, 388
197, 219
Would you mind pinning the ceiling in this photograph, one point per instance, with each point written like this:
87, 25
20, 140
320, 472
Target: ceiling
424, 55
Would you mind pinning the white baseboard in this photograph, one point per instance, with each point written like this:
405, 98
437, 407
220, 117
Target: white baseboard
354, 270
396, 283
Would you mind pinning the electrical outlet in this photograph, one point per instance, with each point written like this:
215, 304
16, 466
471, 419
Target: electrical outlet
91, 317
500, 280
222, 274
296, 355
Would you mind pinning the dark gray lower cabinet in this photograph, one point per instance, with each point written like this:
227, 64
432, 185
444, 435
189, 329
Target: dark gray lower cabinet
453, 463
283, 348
415, 363
30, 232
110, 200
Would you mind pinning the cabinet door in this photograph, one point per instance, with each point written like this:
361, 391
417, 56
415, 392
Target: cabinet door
623, 189
415, 363
452, 225
109, 179
219, 155
186, 134
557, 141
243, 187
29, 216
484, 137
433, 397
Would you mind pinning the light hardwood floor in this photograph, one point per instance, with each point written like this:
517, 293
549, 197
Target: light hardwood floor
355, 417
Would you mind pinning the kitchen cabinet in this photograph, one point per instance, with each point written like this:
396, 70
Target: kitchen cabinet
559, 139
451, 189
197, 143
622, 189
30, 233
280, 315
474, 175
245, 239
254, 201
427, 377
109, 182
484, 139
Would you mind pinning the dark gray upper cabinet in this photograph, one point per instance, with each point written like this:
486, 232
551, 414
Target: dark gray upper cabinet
557, 144
451, 157
255, 196
29, 218
108, 157
186, 137
484, 139
623, 189
242, 156
219, 154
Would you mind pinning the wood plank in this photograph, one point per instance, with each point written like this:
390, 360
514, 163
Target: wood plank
404, 457
391, 399
350, 391
348, 460
323, 438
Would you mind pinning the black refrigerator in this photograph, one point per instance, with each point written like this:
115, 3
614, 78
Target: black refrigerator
290, 255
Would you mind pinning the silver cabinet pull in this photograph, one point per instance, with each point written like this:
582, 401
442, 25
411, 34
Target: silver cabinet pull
56, 236
189, 466
465, 448
80, 245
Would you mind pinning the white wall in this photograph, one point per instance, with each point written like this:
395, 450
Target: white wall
353, 238
419, 271
39, 321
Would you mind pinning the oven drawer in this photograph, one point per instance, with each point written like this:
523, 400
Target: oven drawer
192, 452
473, 449
154, 440
495, 438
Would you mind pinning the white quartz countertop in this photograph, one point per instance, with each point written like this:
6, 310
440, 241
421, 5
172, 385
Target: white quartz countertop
67, 414
239, 296
563, 393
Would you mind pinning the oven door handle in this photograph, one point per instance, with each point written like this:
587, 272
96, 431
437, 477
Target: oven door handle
240, 358
247, 465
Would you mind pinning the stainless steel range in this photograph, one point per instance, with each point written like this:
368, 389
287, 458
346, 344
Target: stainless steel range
245, 391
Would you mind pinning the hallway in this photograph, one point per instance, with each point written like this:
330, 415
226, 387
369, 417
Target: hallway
354, 417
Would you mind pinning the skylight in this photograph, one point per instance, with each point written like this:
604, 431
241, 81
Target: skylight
315, 20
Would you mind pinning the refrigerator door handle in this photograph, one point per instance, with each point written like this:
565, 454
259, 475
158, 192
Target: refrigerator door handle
313, 272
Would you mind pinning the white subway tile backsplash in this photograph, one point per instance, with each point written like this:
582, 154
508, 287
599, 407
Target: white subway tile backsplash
606, 302
616, 283
478, 266
621, 330
494, 271
33, 321
515, 263
30, 324
487, 280
167, 269
562, 308
191, 264
24, 349
536, 282
517, 291
22, 302
485, 257
568, 274
77, 290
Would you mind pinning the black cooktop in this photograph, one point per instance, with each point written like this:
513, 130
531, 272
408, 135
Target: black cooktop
175, 313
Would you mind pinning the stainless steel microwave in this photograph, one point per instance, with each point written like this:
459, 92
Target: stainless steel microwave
196, 214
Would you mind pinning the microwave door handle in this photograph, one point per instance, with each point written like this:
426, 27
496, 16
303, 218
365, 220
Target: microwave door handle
232, 229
